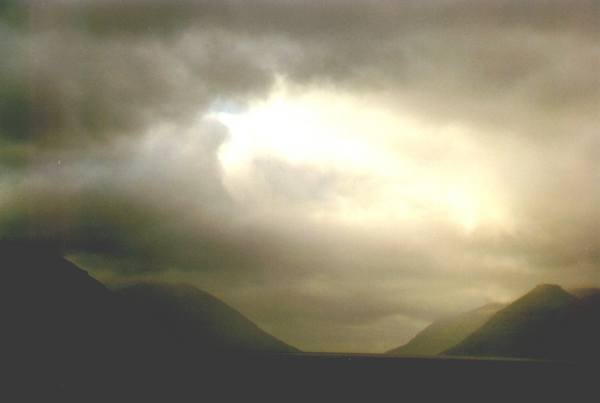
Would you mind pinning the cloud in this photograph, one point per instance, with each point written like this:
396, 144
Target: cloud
124, 199
434, 58
107, 147
64, 87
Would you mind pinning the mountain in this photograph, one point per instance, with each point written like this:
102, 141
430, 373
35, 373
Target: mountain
189, 317
50, 304
584, 327
537, 325
66, 335
586, 292
446, 333
58, 323
48, 295
545, 323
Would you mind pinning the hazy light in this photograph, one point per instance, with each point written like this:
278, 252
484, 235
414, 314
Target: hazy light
326, 131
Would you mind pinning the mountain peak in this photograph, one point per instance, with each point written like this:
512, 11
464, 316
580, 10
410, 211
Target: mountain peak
548, 290
40, 267
546, 296
529, 327
546, 287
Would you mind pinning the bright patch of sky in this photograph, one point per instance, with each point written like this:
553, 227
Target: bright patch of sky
419, 171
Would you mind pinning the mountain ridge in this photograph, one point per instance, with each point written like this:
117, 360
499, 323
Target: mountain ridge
194, 316
56, 309
533, 326
446, 332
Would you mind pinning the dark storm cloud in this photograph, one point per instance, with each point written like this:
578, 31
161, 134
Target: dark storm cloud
82, 72
62, 86
105, 203
103, 149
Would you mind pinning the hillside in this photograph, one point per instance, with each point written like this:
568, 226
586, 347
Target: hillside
534, 326
585, 292
65, 334
446, 333
60, 324
187, 316
68, 338
584, 328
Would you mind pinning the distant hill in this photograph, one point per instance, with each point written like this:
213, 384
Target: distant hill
537, 325
446, 333
65, 334
189, 317
66, 337
546, 323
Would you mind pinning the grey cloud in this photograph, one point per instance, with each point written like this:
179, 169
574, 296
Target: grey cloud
65, 88
329, 17
100, 150
496, 62
127, 200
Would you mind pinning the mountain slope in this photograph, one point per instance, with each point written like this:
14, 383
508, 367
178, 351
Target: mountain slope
447, 332
50, 303
59, 325
583, 329
586, 292
65, 334
534, 326
193, 318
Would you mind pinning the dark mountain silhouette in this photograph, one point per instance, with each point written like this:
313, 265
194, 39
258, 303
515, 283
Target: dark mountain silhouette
447, 332
186, 316
542, 324
584, 292
50, 303
65, 337
67, 334
42, 285
58, 323
583, 328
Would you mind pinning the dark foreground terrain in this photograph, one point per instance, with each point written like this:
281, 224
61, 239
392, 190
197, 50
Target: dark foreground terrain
65, 337
311, 377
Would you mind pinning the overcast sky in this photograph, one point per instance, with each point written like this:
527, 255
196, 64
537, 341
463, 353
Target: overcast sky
341, 172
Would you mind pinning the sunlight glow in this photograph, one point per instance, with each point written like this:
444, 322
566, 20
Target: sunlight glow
334, 132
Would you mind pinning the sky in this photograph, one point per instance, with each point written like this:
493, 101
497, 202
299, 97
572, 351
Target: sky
341, 172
